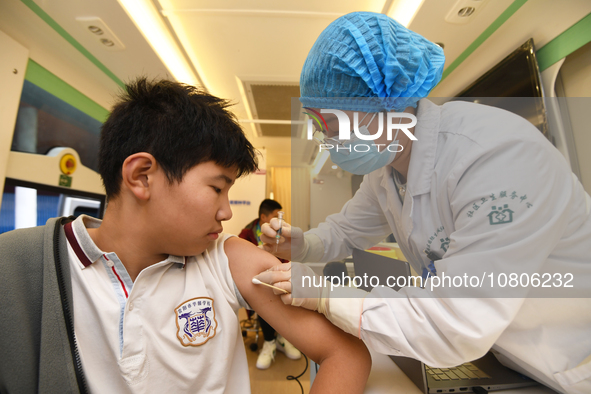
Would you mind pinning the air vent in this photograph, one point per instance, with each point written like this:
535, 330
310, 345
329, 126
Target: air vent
272, 101
466, 12
463, 11
101, 32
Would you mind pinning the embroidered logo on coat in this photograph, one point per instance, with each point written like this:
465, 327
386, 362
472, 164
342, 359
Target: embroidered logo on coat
500, 215
195, 321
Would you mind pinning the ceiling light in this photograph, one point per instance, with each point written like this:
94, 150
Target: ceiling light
334, 167
101, 32
404, 11
148, 20
464, 11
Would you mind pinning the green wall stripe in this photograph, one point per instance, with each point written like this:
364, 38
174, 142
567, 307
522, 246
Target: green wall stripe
53, 24
566, 43
484, 36
41, 77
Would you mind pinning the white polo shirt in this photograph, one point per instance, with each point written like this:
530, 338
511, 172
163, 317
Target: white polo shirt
174, 330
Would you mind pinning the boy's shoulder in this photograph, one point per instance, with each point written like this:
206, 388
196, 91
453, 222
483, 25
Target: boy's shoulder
229, 248
218, 244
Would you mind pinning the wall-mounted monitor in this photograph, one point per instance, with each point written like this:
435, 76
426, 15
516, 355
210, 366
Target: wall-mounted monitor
513, 84
50, 201
39, 187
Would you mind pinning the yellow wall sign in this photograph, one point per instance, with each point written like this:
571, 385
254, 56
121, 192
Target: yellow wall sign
68, 164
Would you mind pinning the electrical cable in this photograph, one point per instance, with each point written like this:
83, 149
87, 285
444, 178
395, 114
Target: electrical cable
291, 377
479, 390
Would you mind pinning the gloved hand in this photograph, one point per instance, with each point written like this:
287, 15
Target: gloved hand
281, 276
292, 244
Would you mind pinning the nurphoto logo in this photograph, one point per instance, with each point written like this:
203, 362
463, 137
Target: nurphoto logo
393, 122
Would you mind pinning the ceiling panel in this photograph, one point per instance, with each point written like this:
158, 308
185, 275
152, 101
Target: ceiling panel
430, 22
271, 101
226, 46
137, 58
232, 42
339, 7
257, 39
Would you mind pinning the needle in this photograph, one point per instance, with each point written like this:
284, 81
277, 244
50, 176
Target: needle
258, 282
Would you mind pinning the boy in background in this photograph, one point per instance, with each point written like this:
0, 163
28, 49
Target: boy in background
252, 232
146, 300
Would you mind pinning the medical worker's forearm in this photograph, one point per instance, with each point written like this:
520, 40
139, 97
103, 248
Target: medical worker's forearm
312, 251
344, 308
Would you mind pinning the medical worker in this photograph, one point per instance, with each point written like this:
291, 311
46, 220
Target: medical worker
480, 194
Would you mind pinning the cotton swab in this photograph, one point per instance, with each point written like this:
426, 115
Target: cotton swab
258, 282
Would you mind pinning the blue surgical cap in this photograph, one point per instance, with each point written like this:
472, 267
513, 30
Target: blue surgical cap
368, 62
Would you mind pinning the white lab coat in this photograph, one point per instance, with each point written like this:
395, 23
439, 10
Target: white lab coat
490, 194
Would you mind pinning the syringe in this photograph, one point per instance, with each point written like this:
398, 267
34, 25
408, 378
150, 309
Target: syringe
278, 235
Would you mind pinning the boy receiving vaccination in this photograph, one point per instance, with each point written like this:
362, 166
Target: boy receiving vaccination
146, 300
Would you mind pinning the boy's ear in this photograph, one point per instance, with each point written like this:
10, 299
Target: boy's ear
137, 171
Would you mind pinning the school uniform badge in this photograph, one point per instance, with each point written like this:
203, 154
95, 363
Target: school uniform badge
195, 321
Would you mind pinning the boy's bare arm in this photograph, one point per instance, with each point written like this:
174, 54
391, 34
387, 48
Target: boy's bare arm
345, 361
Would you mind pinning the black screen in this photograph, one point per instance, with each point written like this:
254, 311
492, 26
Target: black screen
50, 203
514, 84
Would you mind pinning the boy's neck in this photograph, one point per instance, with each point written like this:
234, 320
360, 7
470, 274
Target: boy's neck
124, 235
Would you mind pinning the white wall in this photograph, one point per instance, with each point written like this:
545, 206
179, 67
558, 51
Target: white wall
245, 197
576, 80
328, 198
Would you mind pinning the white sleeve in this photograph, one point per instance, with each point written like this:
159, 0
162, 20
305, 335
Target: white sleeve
529, 185
218, 260
360, 225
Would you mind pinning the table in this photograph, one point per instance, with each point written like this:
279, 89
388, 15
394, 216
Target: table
386, 377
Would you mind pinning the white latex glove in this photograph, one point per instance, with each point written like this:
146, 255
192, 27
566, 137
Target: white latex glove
292, 244
280, 276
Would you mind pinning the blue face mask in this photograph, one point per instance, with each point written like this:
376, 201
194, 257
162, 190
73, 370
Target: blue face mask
362, 157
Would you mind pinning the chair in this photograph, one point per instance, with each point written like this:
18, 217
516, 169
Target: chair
251, 324
335, 268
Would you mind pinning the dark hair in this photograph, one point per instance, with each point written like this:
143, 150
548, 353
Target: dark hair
180, 125
268, 206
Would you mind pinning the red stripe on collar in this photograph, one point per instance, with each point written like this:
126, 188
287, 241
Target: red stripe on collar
75, 245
